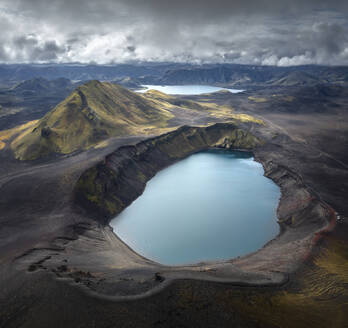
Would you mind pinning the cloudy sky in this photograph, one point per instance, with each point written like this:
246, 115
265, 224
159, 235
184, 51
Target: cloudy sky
267, 32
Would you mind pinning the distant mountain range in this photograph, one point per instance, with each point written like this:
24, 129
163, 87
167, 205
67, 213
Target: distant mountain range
78, 72
31, 99
240, 75
40, 85
133, 75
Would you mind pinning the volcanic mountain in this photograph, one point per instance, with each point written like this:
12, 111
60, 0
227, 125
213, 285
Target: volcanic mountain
92, 113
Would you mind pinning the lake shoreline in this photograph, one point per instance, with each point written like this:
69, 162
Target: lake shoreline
188, 90
206, 177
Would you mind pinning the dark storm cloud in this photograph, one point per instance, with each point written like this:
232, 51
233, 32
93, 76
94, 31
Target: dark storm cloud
244, 31
28, 48
106, 8
131, 48
332, 37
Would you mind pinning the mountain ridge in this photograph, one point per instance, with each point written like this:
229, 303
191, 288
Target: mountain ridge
92, 113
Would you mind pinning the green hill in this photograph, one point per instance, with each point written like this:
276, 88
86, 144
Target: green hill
92, 113
296, 78
156, 95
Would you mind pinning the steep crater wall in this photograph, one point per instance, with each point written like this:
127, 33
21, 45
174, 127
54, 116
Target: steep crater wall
107, 188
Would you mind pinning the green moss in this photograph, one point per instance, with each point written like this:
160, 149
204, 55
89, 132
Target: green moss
92, 113
177, 147
111, 207
141, 176
258, 99
88, 186
96, 111
237, 139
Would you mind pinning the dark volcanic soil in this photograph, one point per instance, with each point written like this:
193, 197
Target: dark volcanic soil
60, 267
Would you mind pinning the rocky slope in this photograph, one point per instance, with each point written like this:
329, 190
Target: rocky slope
110, 186
93, 112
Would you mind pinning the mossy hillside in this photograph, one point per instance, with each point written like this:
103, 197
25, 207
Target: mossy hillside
296, 78
276, 97
171, 101
185, 141
116, 104
284, 98
96, 111
215, 110
6, 135
107, 192
155, 94
94, 190
92, 113
238, 139
112, 185
258, 99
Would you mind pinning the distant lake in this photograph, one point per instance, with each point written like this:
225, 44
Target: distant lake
212, 205
186, 89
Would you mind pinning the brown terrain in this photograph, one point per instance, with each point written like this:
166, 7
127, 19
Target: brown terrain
62, 266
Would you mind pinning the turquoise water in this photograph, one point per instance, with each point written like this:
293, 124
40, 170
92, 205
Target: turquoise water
212, 205
186, 89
